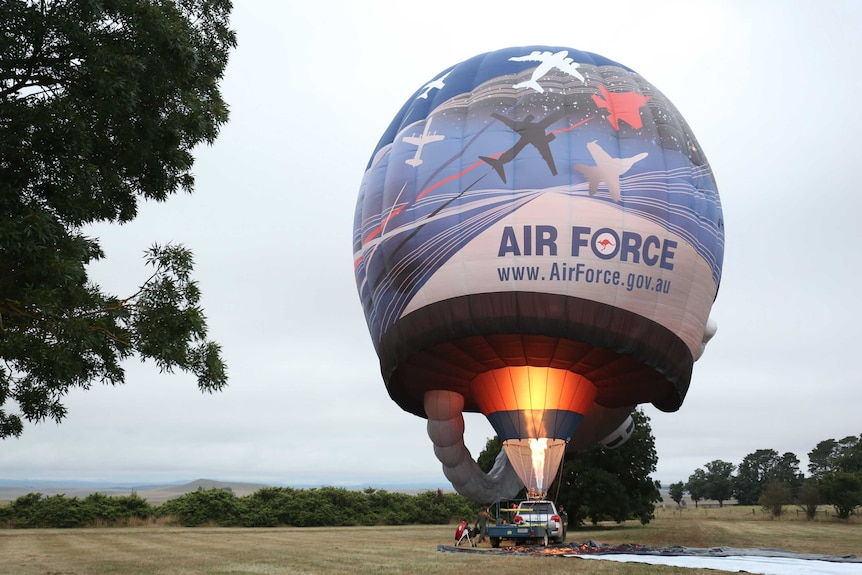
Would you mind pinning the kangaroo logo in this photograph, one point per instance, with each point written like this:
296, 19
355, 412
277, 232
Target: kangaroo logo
604, 243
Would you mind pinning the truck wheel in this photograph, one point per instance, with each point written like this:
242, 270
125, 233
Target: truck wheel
495, 542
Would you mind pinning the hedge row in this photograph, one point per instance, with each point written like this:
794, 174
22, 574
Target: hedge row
268, 507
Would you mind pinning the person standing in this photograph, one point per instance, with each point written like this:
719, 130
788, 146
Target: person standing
482, 523
564, 519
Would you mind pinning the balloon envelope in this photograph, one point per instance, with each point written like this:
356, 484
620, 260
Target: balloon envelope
539, 232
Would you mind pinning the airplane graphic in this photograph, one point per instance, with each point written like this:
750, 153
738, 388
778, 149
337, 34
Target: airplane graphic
434, 84
549, 60
530, 132
625, 106
420, 142
607, 169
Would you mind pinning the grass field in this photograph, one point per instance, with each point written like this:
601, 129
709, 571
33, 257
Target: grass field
156, 549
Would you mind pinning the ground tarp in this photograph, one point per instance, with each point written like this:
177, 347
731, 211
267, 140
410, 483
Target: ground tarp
760, 561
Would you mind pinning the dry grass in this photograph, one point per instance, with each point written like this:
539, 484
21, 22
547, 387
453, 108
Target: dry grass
741, 527
163, 550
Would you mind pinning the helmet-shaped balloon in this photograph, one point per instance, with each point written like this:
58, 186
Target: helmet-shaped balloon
538, 237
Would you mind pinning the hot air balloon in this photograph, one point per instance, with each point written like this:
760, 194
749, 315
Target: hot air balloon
538, 237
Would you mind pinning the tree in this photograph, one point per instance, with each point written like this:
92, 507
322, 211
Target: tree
101, 105
830, 456
488, 455
843, 491
852, 459
849, 454
749, 480
598, 495
774, 496
759, 468
696, 485
600, 483
821, 459
676, 492
787, 471
718, 480
809, 498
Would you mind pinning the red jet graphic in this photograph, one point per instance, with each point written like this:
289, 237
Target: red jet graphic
622, 106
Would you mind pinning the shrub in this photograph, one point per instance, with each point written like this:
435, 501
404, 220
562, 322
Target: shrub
774, 497
267, 507
204, 506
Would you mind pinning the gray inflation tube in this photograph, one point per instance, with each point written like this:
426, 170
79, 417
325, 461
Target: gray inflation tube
446, 430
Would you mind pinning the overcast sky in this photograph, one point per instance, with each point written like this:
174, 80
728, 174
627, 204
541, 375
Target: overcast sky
771, 91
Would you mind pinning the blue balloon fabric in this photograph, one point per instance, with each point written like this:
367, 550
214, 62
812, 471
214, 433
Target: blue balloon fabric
538, 206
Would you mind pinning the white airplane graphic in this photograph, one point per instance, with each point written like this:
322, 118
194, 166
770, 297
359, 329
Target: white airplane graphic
607, 169
420, 142
549, 60
438, 84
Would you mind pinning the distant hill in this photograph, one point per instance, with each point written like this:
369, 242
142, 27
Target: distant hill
162, 494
